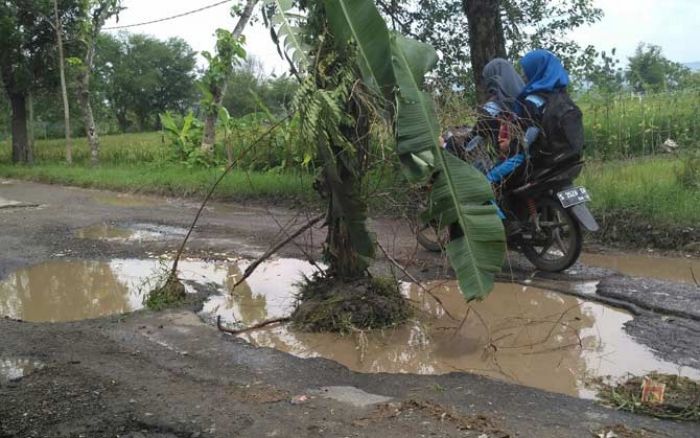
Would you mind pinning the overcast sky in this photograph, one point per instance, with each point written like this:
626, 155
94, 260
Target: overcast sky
672, 24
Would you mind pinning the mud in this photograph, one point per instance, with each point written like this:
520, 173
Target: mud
519, 334
13, 369
152, 375
133, 233
677, 269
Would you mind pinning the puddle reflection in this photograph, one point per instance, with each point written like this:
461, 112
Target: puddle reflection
639, 265
529, 336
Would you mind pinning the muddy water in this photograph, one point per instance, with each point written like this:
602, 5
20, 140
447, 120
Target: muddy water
136, 232
72, 290
128, 200
639, 265
519, 334
12, 369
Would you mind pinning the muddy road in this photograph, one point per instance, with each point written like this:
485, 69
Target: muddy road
79, 358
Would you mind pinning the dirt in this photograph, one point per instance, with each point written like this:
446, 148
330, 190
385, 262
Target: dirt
630, 230
170, 374
328, 305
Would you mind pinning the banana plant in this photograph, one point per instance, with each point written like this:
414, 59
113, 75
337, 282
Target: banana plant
394, 68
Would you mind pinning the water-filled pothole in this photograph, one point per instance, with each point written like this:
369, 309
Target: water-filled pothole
131, 233
519, 334
640, 265
72, 290
12, 368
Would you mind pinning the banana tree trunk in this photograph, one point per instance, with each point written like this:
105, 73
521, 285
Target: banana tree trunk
349, 247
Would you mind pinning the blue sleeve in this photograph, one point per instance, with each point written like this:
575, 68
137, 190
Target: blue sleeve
505, 168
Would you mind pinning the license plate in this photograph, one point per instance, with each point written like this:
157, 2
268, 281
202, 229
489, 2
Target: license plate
575, 196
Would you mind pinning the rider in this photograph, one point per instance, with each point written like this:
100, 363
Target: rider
497, 119
547, 82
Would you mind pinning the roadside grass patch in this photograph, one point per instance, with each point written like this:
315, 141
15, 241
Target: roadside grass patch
328, 305
681, 397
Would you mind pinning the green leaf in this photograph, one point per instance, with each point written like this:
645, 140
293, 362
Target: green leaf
359, 21
461, 195
459, 191
283, 31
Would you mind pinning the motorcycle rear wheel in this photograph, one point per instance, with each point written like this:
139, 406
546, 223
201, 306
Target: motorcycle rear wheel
557, 244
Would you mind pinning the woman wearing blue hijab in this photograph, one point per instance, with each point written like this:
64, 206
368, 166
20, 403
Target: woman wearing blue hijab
546, 107
544, 73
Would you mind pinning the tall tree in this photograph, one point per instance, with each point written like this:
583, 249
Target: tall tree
93, 15
467, 32
141, 77
650, 71
58, 27
215, 80
26, 46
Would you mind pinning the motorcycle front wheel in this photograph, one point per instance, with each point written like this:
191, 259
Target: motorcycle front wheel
552, 241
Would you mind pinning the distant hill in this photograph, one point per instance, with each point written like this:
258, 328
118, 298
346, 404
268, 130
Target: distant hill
695, 66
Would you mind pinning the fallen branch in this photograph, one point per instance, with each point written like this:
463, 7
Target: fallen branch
250, 269
251, 328
414, 280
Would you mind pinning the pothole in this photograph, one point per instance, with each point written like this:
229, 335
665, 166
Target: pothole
519, 334
6, 204
648, 266
128, 200
13, 369
135, 232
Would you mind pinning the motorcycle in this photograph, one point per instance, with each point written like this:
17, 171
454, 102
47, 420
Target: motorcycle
544, 217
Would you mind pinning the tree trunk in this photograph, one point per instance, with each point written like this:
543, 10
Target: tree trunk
209, 134
88, 118
245, 18
64, 89
347, 204
486, 39
30, 128
122, 121
84, 100
18, 102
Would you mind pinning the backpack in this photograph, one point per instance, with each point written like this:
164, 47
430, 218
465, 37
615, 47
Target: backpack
561, 121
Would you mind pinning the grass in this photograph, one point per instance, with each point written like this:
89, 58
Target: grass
625, 125
170, 180
681, 401
646, 187
146, 147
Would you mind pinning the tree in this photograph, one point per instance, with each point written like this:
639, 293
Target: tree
26, 50
462, 28
93, 15
486, 38
229, 51
347, 85
606, 76
650, 71
58, 27
141, 77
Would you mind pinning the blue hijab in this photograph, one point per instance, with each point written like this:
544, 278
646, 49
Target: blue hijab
544, 72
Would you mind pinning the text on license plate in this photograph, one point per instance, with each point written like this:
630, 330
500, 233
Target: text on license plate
574, 196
